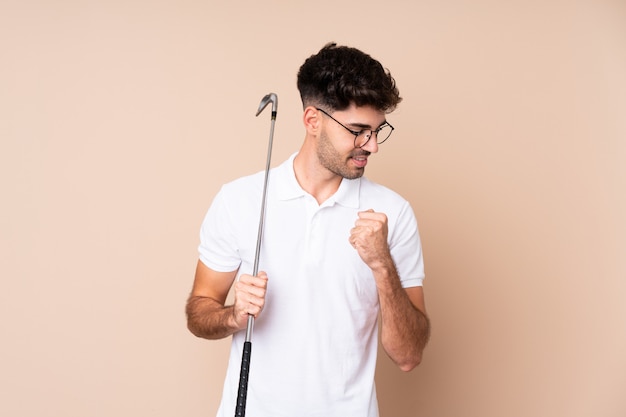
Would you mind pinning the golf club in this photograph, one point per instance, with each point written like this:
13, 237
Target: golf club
240, 410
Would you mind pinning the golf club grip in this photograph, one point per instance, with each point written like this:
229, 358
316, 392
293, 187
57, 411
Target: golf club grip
242, 395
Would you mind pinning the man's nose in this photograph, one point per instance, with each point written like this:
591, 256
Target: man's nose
372, 144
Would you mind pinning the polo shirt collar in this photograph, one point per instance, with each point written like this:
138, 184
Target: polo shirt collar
289, 189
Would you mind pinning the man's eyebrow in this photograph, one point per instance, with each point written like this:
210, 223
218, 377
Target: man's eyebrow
364, 126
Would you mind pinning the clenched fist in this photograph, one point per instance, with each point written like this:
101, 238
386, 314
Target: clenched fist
369, 237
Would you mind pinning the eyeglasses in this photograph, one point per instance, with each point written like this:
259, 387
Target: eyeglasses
361, 137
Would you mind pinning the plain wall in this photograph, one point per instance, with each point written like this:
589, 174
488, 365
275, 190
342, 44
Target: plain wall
119, 120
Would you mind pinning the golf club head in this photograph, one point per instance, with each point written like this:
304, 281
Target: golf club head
270, 98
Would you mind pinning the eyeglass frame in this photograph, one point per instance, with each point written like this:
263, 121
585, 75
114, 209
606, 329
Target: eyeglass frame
357, 134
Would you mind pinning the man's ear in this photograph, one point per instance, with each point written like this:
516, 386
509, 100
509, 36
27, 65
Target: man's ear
312, 120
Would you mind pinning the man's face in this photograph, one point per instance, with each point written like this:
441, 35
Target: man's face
336, 147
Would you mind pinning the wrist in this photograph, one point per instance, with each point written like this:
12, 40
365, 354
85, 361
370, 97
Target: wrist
386, 276
383, 267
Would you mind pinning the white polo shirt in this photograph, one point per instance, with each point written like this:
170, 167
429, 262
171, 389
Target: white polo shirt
314, 345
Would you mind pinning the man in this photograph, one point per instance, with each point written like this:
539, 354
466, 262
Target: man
338, 252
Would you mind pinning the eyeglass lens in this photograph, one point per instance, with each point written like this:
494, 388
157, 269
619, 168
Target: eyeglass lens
382, 134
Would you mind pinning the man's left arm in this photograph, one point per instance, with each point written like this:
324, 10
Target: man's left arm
405, 326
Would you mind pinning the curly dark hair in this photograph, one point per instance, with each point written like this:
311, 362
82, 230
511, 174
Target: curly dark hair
338, 76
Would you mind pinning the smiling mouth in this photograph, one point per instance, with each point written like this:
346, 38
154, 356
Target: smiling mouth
360, 160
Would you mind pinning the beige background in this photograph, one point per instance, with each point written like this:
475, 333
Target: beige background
119, 120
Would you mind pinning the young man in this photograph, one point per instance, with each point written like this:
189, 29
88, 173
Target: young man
338, 252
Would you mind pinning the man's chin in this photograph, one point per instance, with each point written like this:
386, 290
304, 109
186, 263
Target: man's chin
355, 174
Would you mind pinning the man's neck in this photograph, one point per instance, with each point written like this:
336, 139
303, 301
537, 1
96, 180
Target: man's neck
314, 178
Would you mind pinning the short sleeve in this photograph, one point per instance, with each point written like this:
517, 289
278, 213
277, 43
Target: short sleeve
406, 248
218, 247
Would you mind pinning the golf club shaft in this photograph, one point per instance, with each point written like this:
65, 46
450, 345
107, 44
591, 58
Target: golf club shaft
242, 394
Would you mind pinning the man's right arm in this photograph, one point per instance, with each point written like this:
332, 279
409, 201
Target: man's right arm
208, 316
